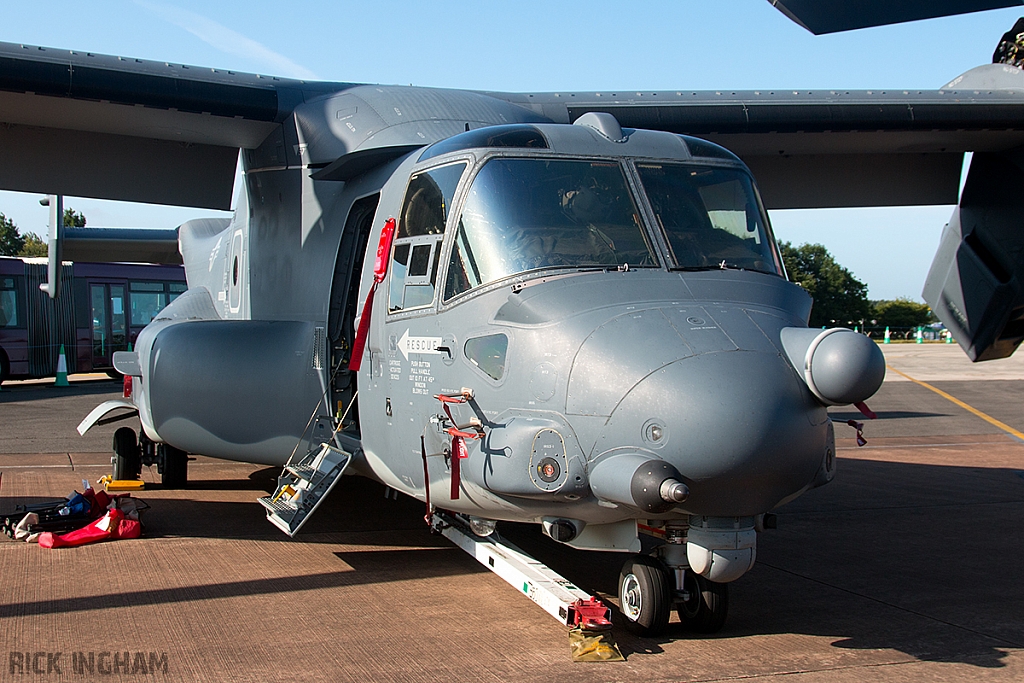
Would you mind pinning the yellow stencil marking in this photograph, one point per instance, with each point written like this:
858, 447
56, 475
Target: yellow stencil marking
971, 409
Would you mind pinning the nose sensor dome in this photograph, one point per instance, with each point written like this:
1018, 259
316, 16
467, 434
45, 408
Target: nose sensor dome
839, 366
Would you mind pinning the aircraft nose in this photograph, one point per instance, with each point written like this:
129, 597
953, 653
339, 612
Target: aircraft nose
739, 426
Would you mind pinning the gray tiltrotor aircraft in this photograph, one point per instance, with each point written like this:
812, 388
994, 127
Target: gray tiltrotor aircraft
555, 308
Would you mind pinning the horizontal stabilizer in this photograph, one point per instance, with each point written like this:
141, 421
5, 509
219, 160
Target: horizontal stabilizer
134, 245
831, 16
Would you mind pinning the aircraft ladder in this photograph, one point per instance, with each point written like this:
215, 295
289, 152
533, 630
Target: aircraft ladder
303, 485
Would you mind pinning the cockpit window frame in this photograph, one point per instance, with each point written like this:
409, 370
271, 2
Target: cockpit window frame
650, 236
478, 158
438, 252
705, 162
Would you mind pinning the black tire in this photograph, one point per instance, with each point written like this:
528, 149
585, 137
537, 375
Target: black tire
127, 458
5, 367
645, 595
707, 607
174, 470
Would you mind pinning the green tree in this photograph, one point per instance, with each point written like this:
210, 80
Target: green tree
11, 241
34, 246
73, 219
900, 312
839, 297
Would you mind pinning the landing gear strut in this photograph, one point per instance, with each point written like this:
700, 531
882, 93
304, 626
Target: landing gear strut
648, 590
131, 453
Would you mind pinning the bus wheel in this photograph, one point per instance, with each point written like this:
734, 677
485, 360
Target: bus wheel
174, 466
127, 459
5, 367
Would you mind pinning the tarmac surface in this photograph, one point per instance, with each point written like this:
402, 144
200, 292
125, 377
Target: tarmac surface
908, 567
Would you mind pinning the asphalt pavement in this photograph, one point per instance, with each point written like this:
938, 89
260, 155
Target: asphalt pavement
908, 567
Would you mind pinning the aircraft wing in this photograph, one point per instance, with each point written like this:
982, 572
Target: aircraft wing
831, 148
90, 125
831, 16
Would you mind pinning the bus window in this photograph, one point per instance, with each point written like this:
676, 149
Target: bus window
8, 303
147, 299
176, 290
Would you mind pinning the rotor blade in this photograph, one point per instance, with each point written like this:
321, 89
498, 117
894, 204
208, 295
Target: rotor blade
831, 16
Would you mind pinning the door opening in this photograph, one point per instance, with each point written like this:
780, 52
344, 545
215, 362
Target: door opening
344, 300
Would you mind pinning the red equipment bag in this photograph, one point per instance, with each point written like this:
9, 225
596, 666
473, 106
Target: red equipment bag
103, 528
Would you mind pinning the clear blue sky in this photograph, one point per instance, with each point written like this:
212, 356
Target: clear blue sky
539, 46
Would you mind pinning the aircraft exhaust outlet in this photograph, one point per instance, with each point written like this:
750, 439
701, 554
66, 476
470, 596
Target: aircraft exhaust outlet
838, 365
721, 549
638, 481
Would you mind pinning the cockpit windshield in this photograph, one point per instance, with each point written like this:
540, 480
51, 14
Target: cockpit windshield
528, 214
710, 217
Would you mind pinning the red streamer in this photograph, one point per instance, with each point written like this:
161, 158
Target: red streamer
380, 269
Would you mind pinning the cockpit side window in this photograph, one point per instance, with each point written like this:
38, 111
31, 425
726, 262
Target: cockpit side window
710, 217
530, 214
417, 250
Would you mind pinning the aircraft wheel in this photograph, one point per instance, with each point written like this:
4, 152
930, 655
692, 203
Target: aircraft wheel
645, 595
127, 458
174, 473
708, 605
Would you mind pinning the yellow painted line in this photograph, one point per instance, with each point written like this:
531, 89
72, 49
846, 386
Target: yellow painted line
971, 409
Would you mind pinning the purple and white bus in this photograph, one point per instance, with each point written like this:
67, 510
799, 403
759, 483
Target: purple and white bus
101, 309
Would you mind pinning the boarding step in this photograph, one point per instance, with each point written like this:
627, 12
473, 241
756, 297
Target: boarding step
303, 485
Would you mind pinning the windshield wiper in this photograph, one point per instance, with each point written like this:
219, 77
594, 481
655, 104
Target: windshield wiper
694, 269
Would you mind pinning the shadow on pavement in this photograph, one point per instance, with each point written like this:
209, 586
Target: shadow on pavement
921, 559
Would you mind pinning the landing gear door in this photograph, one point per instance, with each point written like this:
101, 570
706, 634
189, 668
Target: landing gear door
975, 283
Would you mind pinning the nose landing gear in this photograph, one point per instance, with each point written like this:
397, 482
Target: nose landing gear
648, 590
645, 595
703, 604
